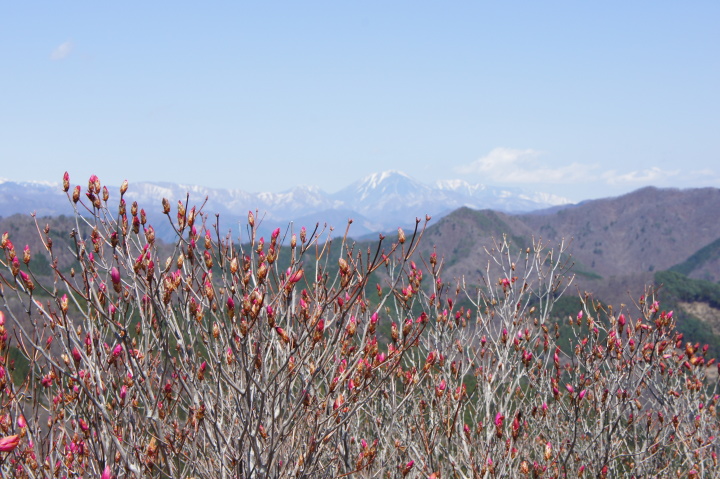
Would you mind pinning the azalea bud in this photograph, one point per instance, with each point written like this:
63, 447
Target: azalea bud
401, 236
66, 182
351, 327
548, 451
283, 335
64, 303
319, 328
440, 388
26, 279
406, 469
8, 443
295, 277
76, 194
430, 360
115, 278
499, 420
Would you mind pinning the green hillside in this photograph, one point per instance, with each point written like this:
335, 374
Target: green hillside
677, 288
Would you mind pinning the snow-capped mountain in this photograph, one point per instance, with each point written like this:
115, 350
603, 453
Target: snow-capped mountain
379, 202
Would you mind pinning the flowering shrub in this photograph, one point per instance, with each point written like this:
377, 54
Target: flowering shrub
300, 357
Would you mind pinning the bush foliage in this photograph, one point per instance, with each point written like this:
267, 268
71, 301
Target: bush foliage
297, 356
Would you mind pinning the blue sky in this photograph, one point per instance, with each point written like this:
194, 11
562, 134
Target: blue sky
579, 99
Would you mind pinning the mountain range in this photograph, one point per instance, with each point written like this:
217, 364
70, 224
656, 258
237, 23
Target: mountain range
376, 203
616, 246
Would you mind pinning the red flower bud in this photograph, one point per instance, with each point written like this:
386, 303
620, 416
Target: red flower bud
8, 443
295, 277
106, 474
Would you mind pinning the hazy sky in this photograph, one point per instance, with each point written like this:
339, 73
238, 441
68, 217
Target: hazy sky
580, 99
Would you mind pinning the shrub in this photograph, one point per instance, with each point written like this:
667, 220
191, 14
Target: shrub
266, 360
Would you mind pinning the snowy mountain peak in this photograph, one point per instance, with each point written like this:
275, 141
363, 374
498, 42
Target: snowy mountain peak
391, 183
386, 200
376, 179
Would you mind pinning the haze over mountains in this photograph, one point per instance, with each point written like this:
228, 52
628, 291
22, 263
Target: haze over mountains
378, 202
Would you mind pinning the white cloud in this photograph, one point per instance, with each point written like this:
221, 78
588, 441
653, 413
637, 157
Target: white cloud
652, 175
62, 51
507, 166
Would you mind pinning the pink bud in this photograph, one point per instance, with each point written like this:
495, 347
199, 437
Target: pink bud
499, 418
297, 276
8, 443
107, 474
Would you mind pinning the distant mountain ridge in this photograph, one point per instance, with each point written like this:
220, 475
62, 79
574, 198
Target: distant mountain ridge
617, 244
378, 202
